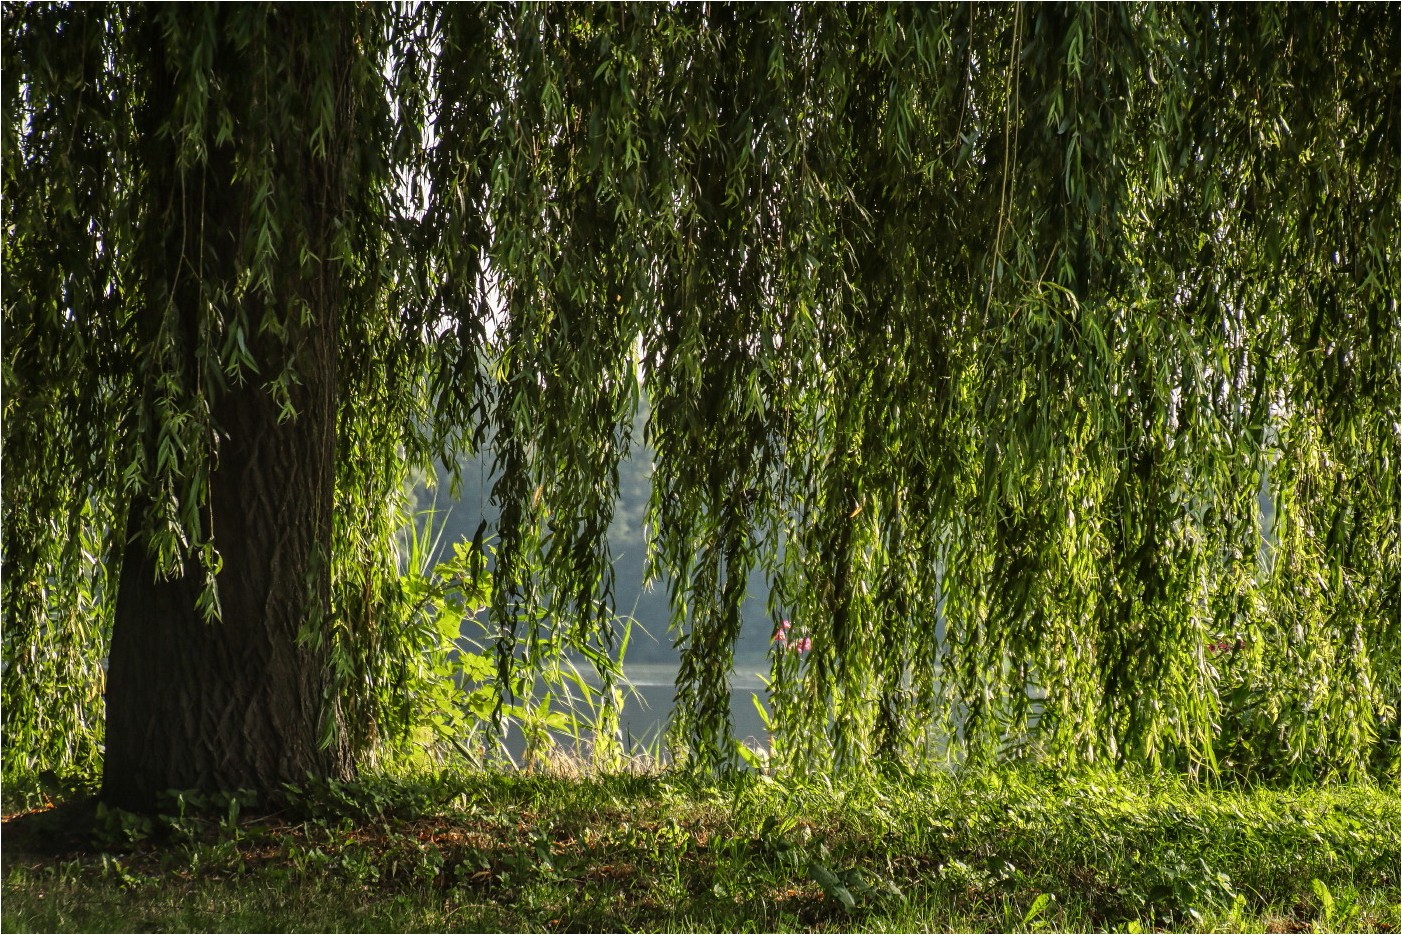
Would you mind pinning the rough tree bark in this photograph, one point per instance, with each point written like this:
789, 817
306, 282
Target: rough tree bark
240, 702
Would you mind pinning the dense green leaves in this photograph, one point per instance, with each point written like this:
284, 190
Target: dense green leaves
1044, 358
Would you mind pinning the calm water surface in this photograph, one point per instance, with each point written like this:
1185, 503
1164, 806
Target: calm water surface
647, 708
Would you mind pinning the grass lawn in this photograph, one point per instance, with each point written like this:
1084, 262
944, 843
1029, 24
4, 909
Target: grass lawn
998, 851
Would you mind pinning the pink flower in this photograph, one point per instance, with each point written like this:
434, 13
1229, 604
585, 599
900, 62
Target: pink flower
1225, 646
803, 645
781, 635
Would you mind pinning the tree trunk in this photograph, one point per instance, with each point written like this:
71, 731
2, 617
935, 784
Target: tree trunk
241, 702
235, 703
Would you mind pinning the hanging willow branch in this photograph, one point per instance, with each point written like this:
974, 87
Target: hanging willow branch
1042, 358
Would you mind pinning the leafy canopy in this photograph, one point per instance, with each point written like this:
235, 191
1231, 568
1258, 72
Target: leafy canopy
1043, 357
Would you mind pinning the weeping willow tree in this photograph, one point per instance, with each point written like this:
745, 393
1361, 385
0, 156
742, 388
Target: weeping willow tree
1043, 358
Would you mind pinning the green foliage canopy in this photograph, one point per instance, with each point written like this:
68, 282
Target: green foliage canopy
985, 331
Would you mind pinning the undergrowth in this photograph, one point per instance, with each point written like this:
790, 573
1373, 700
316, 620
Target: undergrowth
979, 851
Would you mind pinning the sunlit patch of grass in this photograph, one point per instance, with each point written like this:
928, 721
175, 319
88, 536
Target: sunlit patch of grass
981, 851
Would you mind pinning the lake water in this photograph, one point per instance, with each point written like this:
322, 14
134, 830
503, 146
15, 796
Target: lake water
647, 708
648, 703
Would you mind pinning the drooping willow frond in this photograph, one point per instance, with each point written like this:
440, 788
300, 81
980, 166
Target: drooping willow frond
1043, 358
